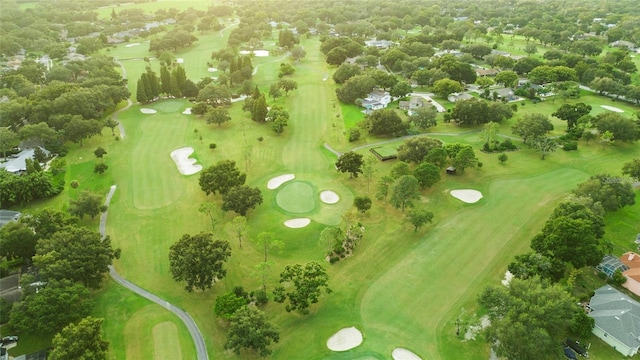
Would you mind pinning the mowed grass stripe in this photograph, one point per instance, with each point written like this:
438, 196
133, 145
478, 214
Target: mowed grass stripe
406, 304
157, 182
164, 346
140, 336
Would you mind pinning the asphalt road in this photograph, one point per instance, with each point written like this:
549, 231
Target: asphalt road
196, 335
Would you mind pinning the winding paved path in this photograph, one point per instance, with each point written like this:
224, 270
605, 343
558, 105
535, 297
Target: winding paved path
196, 335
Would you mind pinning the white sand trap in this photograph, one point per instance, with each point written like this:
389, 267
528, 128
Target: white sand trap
329, 197
212, 69
132, 45
467, 195
507, 278
345, 339
279, 180
258, 53
148, 111
612, 108
187, 111
297, 223
404, 354
185, 165
180, 60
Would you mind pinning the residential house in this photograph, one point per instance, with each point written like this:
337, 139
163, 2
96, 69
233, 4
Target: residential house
505, 93
481, 72
17, 164
617, 320
377, 99
380, 44
632, 272
415, 102
623, 44
459, 96
7, 216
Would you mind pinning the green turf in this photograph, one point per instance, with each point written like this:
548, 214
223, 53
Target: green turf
401, 288
386, 150
296, 197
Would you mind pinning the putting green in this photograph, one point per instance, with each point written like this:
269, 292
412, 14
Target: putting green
296, 197
167, 106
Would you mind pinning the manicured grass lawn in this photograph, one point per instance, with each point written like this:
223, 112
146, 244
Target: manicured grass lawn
400, 288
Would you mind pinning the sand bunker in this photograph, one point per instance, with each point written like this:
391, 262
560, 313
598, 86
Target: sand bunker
132, 45
180, 60
187, 111
345, 339
507, 278
212, 69
148, 111
329, 197
467, 195
279, 180
297, 223
258, 53
185, 165
404, 354
612, 108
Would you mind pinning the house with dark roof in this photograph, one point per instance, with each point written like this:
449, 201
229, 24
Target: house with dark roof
617, 320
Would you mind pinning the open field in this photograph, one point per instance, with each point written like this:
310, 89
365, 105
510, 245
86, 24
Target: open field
400, 288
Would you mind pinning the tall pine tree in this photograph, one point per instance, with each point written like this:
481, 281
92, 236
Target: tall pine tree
260, 109
165, 80
141, 93
154, 83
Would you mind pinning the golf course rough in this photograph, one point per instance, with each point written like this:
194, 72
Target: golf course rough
345, 339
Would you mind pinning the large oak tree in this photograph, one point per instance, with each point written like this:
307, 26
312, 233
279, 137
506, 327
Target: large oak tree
198, 260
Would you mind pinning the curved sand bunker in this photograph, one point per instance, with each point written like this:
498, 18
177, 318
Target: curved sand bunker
212, 69
345, 339
467, 195
185, 165
329, 197
612, 108
258, 53
148, 111
297, 223
132, 45
187, 111
404, 354
279, 180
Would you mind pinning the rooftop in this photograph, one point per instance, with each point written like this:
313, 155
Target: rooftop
616, 314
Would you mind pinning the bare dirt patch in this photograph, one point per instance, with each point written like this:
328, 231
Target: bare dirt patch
186, 165
467, 195
404, 354
297, 223
345, 339
329, 197
279, 180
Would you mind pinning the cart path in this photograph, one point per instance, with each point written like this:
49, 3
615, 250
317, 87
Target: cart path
196, 335
115, 114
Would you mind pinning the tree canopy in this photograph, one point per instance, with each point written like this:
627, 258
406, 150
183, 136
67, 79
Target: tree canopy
301, 286
350, 162
198, 260
249, 329
221, 177
82, 340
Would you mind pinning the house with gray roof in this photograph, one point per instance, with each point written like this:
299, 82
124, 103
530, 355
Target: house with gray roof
617, 320
17, 164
